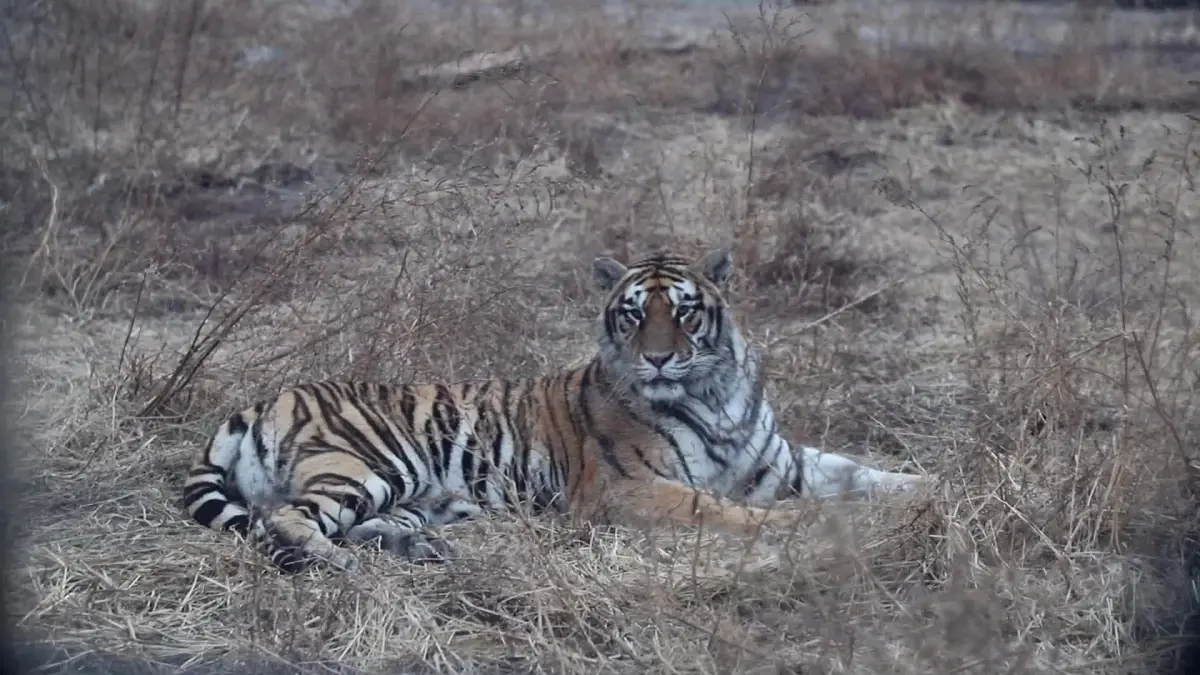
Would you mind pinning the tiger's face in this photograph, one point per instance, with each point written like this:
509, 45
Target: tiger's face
665, 325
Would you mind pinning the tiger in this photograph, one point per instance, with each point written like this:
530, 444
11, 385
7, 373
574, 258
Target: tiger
668, 422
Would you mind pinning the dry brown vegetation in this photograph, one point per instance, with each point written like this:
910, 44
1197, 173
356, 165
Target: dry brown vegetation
962, 261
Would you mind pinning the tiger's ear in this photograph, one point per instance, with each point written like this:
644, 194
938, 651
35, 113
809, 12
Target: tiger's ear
717, 266
607, 272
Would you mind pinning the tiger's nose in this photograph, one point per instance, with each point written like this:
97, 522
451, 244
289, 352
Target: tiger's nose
658, 360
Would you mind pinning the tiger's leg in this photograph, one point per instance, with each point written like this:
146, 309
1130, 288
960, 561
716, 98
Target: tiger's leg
822, 475
403, 532
805, 472
299, 533
295, 539
336, 491
658, 500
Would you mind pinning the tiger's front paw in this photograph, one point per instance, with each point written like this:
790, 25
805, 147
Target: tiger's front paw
423, 547
902, 484
398, 539
341, 560
295, 559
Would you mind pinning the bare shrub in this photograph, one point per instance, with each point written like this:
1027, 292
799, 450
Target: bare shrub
768, 65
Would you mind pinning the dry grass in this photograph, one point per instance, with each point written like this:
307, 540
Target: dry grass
958, 259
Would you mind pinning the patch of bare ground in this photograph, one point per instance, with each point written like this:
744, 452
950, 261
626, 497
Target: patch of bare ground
960, 262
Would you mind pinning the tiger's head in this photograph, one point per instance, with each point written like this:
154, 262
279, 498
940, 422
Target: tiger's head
666, 330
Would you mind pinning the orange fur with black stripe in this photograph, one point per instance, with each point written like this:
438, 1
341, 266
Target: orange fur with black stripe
668, 422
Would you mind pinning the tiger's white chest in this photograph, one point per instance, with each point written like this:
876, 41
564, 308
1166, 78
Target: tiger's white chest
714, 448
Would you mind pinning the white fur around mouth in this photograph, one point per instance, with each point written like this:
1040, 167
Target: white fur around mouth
660, 388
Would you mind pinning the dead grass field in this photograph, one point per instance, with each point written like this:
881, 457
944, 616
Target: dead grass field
960, 260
